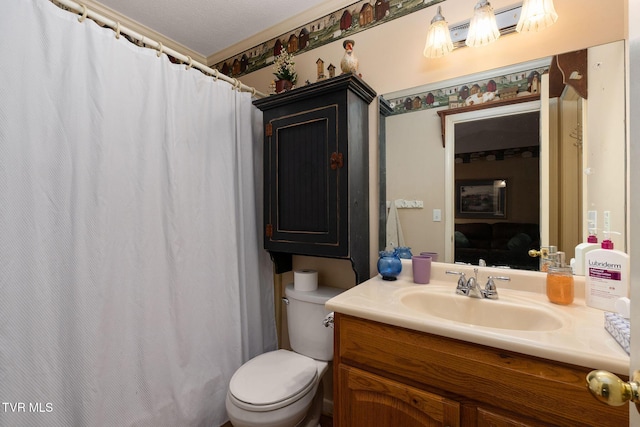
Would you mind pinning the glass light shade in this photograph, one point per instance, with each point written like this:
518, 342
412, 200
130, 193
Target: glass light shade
438, 38
483, 28
536, 15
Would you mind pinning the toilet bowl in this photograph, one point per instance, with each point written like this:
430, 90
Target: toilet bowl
283, 388
275, 389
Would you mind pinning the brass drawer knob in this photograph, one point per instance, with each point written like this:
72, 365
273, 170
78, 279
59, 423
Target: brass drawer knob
609, 389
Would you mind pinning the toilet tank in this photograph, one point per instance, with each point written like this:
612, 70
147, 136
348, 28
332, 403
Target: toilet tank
305, 313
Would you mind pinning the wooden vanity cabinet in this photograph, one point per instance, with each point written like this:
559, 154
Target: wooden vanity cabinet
390, 376
316, 172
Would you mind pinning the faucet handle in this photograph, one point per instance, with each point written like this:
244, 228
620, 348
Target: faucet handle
490, 289
457, 273
462, 282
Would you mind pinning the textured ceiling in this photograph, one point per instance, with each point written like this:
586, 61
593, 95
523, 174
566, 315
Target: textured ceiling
209, 26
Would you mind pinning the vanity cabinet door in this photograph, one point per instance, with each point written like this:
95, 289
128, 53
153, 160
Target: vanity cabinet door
371, 400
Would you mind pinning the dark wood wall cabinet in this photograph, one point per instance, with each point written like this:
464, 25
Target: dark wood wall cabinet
316, 172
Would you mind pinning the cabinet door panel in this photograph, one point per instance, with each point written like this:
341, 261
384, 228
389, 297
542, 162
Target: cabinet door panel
304, 188
302, 168
369, 400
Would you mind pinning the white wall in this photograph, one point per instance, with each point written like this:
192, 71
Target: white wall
391, 54
416, 149
604, 139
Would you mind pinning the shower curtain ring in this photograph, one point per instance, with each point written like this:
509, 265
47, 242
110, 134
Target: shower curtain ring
84, 13
159, 49
215, 75
117, 30
190, 63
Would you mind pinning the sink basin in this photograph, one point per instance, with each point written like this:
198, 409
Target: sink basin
508, 312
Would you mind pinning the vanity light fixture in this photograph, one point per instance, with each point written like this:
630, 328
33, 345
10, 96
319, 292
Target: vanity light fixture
486, 25
483, 28
438, 38
536, 15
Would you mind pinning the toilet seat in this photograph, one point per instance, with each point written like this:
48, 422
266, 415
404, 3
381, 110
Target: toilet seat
273, 380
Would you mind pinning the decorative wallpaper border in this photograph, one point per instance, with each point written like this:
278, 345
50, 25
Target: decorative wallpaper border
359, 16
519, 83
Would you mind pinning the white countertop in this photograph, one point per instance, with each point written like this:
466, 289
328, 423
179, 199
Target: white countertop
582, 340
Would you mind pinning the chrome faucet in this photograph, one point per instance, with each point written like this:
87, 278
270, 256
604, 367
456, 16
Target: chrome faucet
465, 286
471, 287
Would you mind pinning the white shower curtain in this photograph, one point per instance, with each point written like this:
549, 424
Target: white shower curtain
132, 283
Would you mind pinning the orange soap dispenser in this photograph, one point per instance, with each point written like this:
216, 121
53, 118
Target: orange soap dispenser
560, 287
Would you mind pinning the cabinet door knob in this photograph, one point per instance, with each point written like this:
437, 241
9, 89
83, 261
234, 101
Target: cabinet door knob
609, 389
336, 160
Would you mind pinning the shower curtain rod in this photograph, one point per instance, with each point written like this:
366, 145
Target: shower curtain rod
85, 12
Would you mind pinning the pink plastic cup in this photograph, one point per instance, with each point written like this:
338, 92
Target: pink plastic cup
433, 255
421, 269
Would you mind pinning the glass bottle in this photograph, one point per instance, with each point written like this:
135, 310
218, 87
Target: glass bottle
560, 285
403, 252
389, 265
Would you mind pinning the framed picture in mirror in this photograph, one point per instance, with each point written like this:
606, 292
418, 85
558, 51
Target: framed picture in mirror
481, 198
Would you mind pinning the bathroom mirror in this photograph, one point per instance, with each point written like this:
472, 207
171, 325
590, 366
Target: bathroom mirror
580, 155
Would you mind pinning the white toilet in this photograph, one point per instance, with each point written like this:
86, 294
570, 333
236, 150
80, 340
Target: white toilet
283, 388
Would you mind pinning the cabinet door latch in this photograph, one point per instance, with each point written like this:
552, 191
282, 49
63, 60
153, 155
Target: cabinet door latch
268, 129
269, 230
336, 160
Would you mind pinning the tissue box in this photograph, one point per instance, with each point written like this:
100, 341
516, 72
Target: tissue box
619, 329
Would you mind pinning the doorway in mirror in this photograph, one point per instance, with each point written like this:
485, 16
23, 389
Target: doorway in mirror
497, 190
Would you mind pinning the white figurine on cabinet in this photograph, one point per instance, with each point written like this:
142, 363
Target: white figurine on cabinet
349, 63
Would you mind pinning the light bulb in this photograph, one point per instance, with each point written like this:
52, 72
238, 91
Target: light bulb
438, 38
483, 28
536, 15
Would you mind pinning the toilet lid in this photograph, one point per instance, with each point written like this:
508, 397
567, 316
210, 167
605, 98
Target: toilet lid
273, 377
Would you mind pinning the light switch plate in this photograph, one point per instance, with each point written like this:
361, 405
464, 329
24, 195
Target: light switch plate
437, 215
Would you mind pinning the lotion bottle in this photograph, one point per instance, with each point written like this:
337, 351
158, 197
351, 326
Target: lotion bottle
578, 263
582, 249
606, 276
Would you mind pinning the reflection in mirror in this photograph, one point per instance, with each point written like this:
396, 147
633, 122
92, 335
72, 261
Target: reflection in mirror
580, 146
493, 221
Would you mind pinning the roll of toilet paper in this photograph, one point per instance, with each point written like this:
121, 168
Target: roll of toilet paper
305, 280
